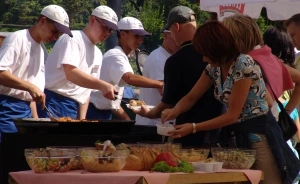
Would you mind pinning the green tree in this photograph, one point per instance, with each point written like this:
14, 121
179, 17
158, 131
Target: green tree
152, 24
152, 13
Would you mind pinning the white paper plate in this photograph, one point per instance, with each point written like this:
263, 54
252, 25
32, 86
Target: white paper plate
139, 107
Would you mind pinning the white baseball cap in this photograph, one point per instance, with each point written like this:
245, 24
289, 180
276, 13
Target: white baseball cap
108, 15
59, 16
132, 24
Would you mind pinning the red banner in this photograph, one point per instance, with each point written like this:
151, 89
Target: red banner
235, 8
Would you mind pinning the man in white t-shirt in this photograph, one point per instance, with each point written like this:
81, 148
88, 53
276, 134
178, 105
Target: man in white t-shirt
117, 70
154, 69
22, 56
73, 67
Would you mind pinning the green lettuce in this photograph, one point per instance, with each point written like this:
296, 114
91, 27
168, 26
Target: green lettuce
181, 167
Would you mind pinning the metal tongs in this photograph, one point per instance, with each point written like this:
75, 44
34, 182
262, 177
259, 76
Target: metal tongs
50, 115
117, 98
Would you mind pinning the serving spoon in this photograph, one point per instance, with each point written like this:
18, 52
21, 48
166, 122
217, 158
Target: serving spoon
105, 144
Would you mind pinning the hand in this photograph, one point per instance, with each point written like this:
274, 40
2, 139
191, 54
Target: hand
108, 91
181, 130
168, 114
161, 89
142, 112
37, 95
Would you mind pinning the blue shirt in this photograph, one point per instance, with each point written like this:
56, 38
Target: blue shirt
243, 68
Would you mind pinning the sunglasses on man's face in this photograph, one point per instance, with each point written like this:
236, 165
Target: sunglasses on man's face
105, 27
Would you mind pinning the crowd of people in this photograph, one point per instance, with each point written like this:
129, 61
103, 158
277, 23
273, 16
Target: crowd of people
208, 78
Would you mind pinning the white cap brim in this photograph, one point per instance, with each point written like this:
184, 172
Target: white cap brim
110, 24
63, 29
141, 32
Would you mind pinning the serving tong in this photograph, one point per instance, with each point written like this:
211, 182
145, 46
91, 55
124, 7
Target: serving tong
117, 97
50, 115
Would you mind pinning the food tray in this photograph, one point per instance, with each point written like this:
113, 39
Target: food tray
94, 127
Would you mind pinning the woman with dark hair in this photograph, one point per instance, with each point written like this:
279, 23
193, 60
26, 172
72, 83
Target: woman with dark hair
281, 44
240, 86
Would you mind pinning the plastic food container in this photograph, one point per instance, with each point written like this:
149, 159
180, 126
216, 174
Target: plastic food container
192, 155
234, 158
76, 164
208, 167
163, 129
94, 161
55, 160
218, 166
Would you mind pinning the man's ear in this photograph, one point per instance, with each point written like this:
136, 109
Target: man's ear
42, 20
122, 33
176, 26
92, 20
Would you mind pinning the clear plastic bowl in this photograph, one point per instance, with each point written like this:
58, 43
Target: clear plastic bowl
234, 158
55, 160
192, 155
76, 164
94, 161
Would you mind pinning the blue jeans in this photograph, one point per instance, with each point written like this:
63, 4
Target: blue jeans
58, 105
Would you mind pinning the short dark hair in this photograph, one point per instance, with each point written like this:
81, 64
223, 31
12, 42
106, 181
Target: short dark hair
295, 18
118, 33
281, 44
214, 40
47, 19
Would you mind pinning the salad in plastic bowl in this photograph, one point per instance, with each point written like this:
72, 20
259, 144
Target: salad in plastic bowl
41, 160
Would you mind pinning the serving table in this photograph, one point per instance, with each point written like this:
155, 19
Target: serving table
137, 177
43, 135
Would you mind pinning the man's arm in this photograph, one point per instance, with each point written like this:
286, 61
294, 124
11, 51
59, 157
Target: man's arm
82, 79
161, 90
141, 81
153, 113
121, 114
34, 113
83, 109
9, 80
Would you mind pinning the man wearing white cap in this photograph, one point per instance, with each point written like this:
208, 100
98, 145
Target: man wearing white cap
73, 67
117, 70
22, 65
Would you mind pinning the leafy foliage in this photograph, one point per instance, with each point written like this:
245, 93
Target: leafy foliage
152, 13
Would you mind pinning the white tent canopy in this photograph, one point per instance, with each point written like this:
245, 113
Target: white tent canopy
276, 9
